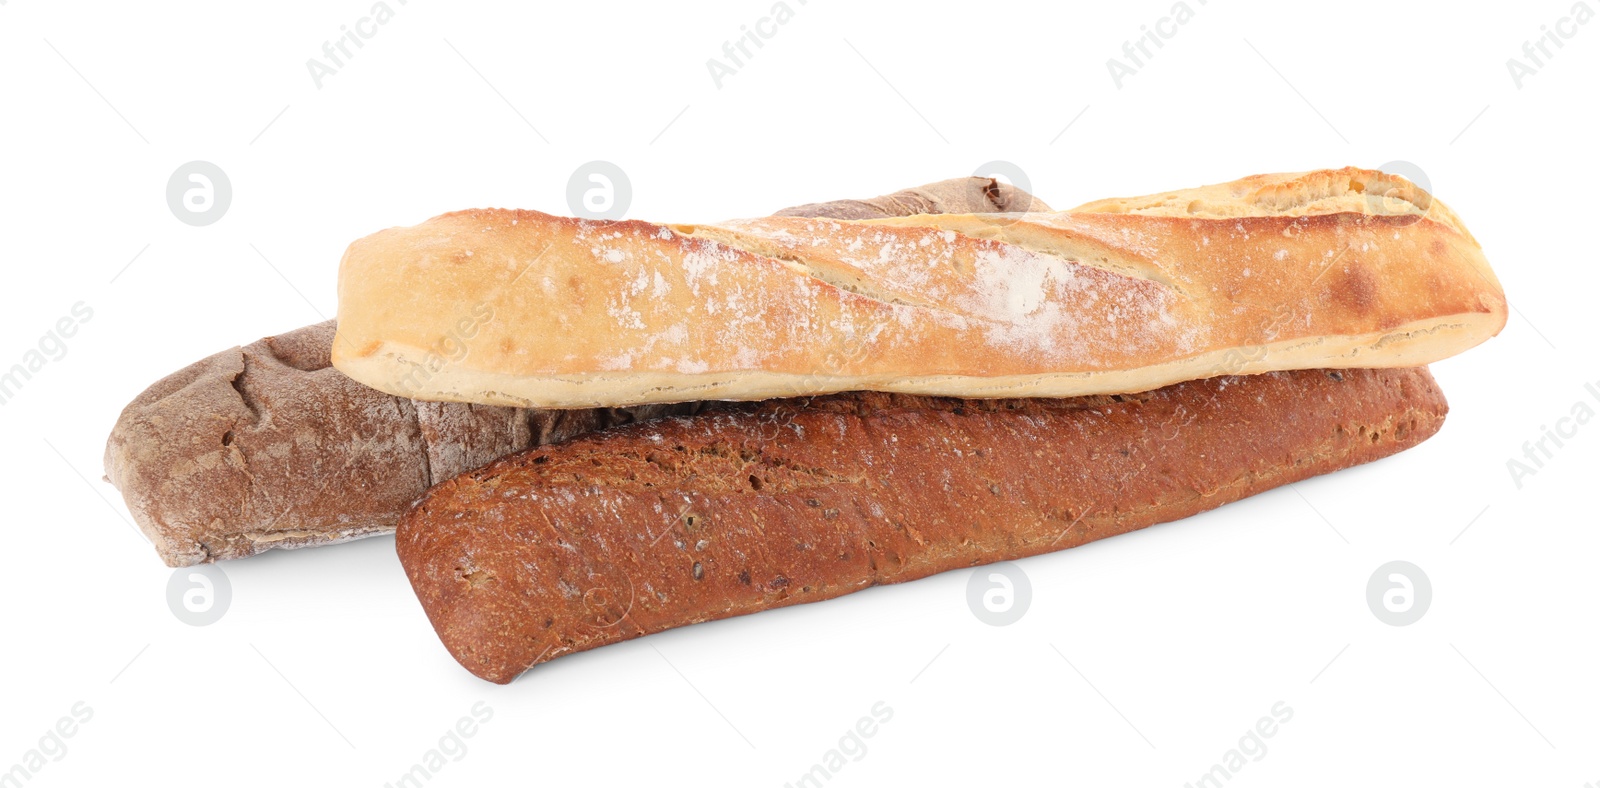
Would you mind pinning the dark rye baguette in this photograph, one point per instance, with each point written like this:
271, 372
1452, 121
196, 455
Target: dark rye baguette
268, 446
750, 506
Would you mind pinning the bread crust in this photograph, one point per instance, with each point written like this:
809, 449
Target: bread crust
1271, 273
750, 506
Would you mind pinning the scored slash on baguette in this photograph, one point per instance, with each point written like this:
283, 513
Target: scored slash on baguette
1334, 269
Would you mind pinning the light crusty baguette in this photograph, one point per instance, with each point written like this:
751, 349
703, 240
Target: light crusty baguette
751, 506
1274, 272
266, 446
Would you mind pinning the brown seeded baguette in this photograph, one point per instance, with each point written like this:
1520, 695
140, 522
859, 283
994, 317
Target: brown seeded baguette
751, 506
268, 446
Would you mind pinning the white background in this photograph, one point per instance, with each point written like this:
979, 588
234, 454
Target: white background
1141, 661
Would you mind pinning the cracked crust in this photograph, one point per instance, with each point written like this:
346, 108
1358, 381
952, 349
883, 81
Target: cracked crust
1339, 268
751, 506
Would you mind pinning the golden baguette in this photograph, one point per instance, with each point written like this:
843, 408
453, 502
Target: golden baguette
1329, 269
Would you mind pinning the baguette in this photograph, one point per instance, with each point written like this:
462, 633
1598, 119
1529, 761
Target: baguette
266, 446
751, 506
1269, 273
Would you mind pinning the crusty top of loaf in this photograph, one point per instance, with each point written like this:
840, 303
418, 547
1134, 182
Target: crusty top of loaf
1316, 193
1270, 273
